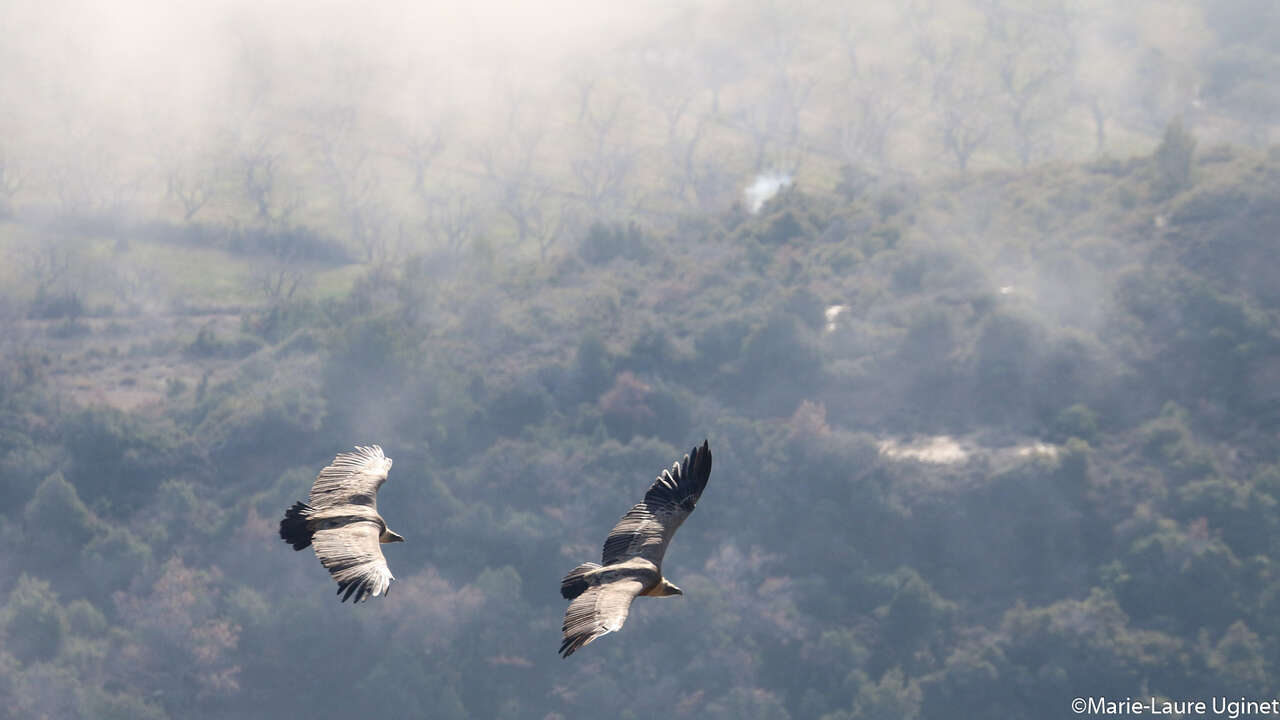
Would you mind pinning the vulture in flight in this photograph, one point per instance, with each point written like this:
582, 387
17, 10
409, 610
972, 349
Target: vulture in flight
340, 519
632, 560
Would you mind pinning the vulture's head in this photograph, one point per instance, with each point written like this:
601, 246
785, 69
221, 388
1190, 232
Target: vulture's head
668, 589
390, 536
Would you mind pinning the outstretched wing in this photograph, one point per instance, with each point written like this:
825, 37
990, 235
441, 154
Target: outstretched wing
352, 479
646, 529
600, 609
349, 548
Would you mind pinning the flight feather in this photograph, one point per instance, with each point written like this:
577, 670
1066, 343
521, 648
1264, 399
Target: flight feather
340, 521
631, 562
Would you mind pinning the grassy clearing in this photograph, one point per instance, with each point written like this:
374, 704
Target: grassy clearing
195, 276
112, 276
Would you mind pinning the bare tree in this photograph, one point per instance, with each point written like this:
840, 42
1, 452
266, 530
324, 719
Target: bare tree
274, 203
871, 114
11, 181
367, 220
353, 176
960, 99
56, 263
850, 40
719, 65
684, 141
602, 163
963, 120
91, 183
1033, 56
793, 91
510, 162
964, 129
584, 86
129, 285
1099, 111
452, 220
934, 54
551, 221
602, 176
275, 199
1167, 86
193, 189
278, 281
50, 261
776, 28
283, 270
425, 124
757, 121
674, 94
773, 121
425, 144
1095, 83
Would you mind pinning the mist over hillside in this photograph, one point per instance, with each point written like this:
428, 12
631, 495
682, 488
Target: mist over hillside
974, 301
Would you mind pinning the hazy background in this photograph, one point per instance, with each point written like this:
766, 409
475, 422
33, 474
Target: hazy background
975, 301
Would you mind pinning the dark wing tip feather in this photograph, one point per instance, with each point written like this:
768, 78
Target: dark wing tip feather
698, 465
361, 588
358, 587
683, 484
694, 473
571, 644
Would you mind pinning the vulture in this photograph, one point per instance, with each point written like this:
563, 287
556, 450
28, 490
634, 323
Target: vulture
631, 564
340, 519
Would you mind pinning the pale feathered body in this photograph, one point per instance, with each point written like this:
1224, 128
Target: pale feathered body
631, 564
340, 520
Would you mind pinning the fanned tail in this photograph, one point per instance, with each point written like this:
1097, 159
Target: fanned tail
575, 583
293, 528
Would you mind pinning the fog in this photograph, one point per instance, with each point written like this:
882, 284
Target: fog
974, 301
110, 94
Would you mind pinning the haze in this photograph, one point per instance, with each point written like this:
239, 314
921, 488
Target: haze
974, 300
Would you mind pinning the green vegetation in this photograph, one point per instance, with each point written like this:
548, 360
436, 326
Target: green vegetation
824, 578
992, 382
